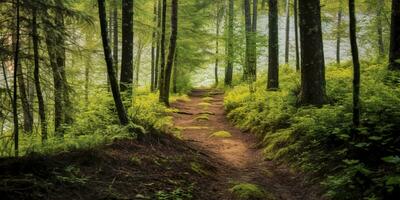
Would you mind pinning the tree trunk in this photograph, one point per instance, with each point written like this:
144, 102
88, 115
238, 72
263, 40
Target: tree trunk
153, 49
175, 73
339, 32
394, 57
356, 63
296, 33
229, 67
162, 53
138, 62
217, 45
27, 114
16, 60
127, 47
273, 47
172, 48
287, 31
248, 29
115, 37
253, 54
122, 115
42, 111
158, 50
379, 11
312, 54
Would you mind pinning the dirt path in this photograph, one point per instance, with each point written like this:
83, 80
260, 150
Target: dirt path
204, 115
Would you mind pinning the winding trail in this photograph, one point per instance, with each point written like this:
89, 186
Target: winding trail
241, 161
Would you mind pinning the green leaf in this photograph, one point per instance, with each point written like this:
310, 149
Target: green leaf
393, 180
351, 162
392, 159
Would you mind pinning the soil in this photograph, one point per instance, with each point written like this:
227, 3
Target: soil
196, 166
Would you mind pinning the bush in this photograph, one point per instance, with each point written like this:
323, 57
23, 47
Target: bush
351, 164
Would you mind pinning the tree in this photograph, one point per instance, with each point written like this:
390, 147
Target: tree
35, 42
394, 57
16, 63
273, 46
379, 17
158, 49
127, 47
171, 54
249, 73
356, 64
287, 31
312, 54
162, 51
122, 115
153, 50
115, 36
296, 33
339, 32
229, 67
218, 21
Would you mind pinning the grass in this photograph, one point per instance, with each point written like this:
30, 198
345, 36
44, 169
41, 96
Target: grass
221, 134
202, 118
248, 191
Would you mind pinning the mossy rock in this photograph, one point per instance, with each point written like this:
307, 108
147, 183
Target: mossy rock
207, 99
248, 191
221, 134
202, 118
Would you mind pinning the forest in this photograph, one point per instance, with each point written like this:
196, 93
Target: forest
200, 99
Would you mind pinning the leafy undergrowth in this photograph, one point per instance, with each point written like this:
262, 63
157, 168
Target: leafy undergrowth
361, 164
248, 191
162, 169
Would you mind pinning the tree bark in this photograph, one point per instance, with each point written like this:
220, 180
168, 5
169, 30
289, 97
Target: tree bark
394, 57
287, 31
312, 54
379, 11
217, 45
115, 37
27, 114
162, 53
122, 115
153, 49
172, 48
356, 64
273, 46
248, 28
16, 60
138, 62
127, 47
158, 50
229, 67
339, 32
250, 71
42, 111
296, 33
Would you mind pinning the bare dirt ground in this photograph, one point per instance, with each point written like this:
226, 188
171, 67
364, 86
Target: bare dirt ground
242, 161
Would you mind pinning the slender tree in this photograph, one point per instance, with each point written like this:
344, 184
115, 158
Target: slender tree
218, 19
153, 49
229, 67
16, 63
379, 16
287, 31
312, 54
26, 107
123, 117
162, 53
339, 31
126, 79
356, 64
249, 73
35, 41
158, 49
296, 33
115, 36
394, 57
273, 46
172, 48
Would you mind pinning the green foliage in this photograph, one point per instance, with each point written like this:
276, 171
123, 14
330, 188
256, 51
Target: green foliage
221, 134
351, 163
177, 194
248, 191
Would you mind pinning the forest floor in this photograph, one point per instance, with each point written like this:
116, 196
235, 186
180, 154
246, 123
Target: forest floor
162, 167
203, 123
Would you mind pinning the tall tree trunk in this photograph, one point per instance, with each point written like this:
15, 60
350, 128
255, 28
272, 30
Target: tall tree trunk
339, 32
122, 115
16, 60
127, 47
253, 55
230, 51
162, 49
42, 111
87, 81
296, 33
312, 54
273, 46
175, 73
356, 64
27, 114
115, 37
158, 49
217, 46
287, 31
172, 48
138, 62
153, 49
394, 57
248, 29
379, 11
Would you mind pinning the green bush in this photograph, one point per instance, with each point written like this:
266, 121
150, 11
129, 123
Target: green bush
351, 164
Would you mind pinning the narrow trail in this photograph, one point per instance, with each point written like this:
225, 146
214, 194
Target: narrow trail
240, 161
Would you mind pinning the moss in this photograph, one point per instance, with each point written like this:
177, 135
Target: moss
196, 167
221, 134
204, 104
202, 118
207, 99
248, 191
136, 160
